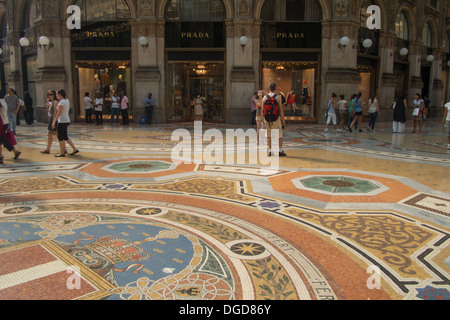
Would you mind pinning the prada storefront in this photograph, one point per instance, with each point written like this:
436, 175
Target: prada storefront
195, 55
291, 42
101, 54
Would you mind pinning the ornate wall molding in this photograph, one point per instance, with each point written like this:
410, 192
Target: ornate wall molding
50, 9
243, 8
143, 28
146, 8
341, 8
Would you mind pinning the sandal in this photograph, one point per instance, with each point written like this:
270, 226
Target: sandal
45, 152
17, 155
75, 152
59, 155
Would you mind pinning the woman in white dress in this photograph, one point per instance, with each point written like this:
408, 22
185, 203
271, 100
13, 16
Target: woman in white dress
198, 108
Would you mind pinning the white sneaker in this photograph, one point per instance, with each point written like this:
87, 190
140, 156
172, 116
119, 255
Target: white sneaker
326, 130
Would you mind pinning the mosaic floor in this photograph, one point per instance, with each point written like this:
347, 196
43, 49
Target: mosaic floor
347, 216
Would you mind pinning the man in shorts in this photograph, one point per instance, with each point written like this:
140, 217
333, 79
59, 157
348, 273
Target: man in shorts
276, 125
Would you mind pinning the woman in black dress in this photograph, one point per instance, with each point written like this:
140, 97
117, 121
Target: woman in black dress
400, 114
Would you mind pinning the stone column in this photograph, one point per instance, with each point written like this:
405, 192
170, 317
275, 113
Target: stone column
388, 83
14, 78
437, 91
339, 65
148, 62
415, 81
241, 74
54, 64
146, 67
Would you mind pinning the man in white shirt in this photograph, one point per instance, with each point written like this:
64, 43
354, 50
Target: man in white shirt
88, 107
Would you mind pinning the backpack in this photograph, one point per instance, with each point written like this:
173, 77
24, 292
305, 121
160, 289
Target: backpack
271, 109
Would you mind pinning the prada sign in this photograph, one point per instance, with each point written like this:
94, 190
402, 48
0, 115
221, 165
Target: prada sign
291, 35
195, 35
102, 34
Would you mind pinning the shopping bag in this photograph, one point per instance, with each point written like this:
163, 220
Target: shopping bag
10, 137
416, 112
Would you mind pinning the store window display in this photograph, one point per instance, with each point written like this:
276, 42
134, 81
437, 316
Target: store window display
293, 78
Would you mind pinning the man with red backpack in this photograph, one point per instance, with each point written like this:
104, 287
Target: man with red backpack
273, 114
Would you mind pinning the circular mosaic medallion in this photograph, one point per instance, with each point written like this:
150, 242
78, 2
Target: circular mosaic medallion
339, 185
149, 211
248, 249
139, 167
18, 210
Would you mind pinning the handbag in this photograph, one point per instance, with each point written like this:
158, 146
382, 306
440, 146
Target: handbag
10, 137
416, 112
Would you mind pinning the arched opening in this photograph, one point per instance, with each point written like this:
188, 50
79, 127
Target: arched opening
427, 51
291, 10
29, 53
201, 10
106, 10
291, 43
195, 45
102, 53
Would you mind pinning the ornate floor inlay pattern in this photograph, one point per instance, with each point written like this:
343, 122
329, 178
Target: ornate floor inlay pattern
123, 222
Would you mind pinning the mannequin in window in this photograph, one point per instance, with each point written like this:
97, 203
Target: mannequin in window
106, 78
305, 106
121, 85
97, 84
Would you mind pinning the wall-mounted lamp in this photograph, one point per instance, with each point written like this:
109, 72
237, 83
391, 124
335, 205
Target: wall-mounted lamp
143, 42
367, 43
404, 52
448, 63
45, 43
24, 42
430, 58
244, 42
343, 43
